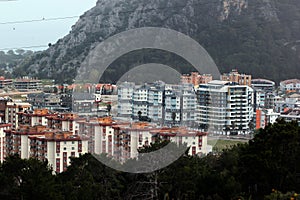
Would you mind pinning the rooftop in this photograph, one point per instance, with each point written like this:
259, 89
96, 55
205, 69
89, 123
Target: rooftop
290, 81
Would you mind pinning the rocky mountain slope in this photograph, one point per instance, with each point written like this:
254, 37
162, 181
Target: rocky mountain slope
261, 37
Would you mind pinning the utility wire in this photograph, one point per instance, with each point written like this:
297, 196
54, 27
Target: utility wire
107, 14
103, 14
38, 20
27, 47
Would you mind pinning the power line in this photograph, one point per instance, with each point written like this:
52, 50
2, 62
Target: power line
27, 47
103, 14
38, 20
107, 14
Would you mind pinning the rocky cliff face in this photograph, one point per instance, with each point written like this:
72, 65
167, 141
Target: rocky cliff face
255, 36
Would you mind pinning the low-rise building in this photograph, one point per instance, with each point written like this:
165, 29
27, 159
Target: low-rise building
290, 85
44, 100
263, 85
235, 76
265, 117
291, 115
84, 103
36, 117
195, 78
64, 122
5, 82
13, 110
27, 84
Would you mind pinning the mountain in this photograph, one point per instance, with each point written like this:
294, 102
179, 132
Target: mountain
10, 59
259, 37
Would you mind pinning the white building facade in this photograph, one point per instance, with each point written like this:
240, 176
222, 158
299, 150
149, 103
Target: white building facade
225, 107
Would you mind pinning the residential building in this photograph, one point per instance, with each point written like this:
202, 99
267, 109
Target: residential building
263, 85
271, 99
44, 100
180, 105
125, 95
164, 104
235, 76
156, 102
265, 117
194, 139
290, 85
225, 106
5, 82
122, 139
195, 78
36, 117
140, 101
263, 90
43, 143
3, 106
285, 103
259, 98
27, 84
13, 111
17, 139
64, 122
129, 138
57, 147
291, 115
84, 103
3, 128
100, 134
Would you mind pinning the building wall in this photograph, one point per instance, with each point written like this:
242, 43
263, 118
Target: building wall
3, 141
222, 106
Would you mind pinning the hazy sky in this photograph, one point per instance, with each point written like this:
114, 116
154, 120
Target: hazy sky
16, 35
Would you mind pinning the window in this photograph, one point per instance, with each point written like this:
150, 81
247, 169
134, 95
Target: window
65, 148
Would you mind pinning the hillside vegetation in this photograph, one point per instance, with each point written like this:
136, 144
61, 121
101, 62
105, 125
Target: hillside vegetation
256, 37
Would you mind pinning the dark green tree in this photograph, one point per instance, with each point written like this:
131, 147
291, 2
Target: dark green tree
27, 179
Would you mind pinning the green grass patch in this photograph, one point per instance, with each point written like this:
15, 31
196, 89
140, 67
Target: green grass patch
220, 145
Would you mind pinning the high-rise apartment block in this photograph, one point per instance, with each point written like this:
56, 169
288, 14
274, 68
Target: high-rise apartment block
225, 107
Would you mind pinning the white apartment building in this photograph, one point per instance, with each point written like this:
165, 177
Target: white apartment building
3, 144
291, 84
134, 136
156, 98
43, 143
224, 106
125, 95
260, 98
158, 102
140, 101
57, 148
122, 139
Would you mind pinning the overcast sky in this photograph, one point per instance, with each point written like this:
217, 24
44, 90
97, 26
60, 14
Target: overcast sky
16, 35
